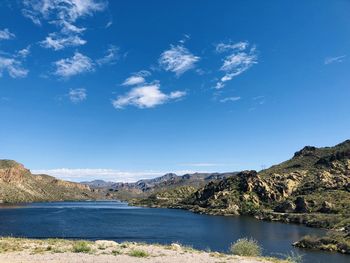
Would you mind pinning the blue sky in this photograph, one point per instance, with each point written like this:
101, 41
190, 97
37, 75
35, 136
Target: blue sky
124, 90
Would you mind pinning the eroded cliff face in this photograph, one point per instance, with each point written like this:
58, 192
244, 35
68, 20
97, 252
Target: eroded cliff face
13, 173
18, 184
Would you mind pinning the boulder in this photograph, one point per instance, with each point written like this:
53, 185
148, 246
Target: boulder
326, 207
301, 205
285, 207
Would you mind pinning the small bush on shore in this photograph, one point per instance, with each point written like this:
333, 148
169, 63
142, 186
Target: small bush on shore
294, 257
138, 253
81, 247
246, 247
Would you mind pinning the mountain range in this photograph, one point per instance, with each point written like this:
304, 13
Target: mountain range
146, 187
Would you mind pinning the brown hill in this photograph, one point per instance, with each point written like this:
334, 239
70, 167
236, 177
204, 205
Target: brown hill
18, 184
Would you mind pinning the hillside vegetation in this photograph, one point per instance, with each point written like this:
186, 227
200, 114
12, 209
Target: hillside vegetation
311, 188
18, 184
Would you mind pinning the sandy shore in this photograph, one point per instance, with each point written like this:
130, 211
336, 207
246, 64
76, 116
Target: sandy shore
62, 251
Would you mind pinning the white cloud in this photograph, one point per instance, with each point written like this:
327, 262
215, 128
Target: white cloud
133, 80
240, 58
137, 78
331, 60
64, 10
201, 164
146, 96
111, 57
77, 95
259, 100
13, 67
87, 174
178, 60
5, 34
72, 66
230, 99
57, 41
23, 53
109, 24
62, 13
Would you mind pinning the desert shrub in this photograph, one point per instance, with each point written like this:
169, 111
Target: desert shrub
246, 247
138, 253
294, 257
116, 252
81, 247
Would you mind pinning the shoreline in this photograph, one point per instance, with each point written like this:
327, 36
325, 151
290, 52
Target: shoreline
334, 240
64, 250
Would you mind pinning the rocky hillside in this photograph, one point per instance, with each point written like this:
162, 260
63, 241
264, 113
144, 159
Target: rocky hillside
18, 184
313, 188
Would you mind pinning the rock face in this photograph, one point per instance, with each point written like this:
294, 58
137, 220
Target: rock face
18, 184
11, 171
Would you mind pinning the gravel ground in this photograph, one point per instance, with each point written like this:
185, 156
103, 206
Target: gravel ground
60, 251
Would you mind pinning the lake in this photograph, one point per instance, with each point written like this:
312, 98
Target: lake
117, 221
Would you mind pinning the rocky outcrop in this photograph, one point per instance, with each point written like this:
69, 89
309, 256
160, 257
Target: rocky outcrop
12, 172
285, 207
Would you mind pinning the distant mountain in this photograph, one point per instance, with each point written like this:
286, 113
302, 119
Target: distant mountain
18, 184
145, 187
312, 188
98, 184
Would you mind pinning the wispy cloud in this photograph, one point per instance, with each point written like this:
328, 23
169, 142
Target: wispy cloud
5, 34
57, 41
77, 95
75, 65
330, 60
146, 96
178, 59
240, 57
200, 164
23, 53
63, 14
13, 67
111, 56
259, 100
109, 24
230, 99
105, 174
88, 174
136, 78
62, 10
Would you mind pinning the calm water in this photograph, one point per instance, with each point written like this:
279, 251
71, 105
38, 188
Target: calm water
117, 221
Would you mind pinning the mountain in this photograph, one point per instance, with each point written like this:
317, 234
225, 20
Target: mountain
311, 188
18, 184
98, 184
145, 187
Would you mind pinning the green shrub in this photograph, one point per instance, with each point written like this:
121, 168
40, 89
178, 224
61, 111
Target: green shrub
116, 252
294, 257
246, 247
81, 247
138, 253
